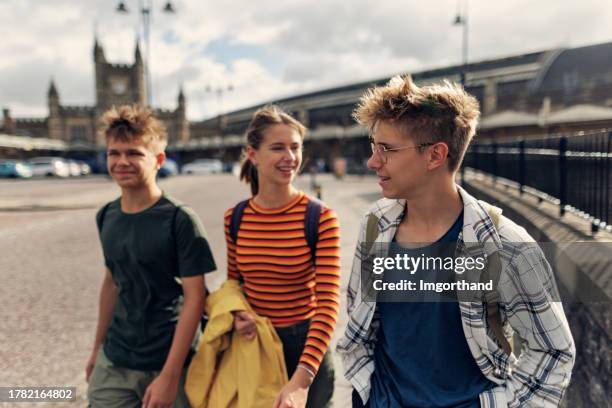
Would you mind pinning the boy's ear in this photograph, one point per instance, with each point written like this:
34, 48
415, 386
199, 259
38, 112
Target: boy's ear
438, 155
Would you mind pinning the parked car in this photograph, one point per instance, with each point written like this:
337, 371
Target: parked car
75, 168
15, 169
203, 166
85, 169
49, 166
169, 168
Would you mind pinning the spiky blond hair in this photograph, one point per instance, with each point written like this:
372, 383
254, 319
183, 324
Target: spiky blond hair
134, 122
434, 113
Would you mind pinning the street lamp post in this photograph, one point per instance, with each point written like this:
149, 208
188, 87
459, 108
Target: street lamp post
219, 91
462, 19
146, 7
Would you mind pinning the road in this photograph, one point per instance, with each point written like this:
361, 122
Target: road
51, 265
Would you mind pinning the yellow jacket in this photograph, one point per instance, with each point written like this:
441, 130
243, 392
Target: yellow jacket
229, 371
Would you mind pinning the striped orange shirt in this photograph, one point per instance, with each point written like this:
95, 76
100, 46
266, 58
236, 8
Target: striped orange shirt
280, 279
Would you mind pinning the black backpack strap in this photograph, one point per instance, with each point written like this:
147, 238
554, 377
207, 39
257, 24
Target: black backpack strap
311, 224
102, 215
177, 208
236, 219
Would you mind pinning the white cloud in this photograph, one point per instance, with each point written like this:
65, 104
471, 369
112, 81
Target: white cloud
305, 45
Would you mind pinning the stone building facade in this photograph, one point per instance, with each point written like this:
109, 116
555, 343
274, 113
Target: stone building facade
115, 84
537, 93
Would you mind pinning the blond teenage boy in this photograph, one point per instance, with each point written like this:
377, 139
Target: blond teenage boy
152, 295
441, 353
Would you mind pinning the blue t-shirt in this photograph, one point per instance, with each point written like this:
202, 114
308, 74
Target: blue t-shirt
421, 357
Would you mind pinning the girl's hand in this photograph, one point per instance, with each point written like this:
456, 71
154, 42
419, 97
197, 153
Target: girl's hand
244, 324
292, 395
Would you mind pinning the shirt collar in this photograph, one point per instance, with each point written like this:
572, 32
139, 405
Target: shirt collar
478, 233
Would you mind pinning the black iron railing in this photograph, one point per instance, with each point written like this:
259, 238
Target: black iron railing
572, 171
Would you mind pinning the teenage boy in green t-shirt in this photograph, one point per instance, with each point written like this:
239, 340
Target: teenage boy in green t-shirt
152, 295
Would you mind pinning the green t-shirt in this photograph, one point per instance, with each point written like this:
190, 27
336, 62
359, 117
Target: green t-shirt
147, 253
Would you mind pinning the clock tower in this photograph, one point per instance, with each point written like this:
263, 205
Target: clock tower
115, 84
118, 84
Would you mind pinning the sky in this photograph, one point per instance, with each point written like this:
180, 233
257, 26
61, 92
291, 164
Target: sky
268, 49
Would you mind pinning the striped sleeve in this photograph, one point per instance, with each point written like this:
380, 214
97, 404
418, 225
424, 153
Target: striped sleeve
232, 267
327, 292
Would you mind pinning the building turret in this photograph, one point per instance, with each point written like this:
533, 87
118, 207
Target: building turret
139, 76
181, 99
182, 125
137, 55
53, 99
98, 52
54, 122
99, 64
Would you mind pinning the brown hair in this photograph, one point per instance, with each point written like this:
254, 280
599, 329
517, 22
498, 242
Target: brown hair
133, 122
262, 119
434, 113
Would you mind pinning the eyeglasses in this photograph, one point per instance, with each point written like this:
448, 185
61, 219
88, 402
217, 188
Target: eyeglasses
383, 150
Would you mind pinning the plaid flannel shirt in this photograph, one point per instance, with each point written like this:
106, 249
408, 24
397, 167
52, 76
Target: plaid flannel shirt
527, 305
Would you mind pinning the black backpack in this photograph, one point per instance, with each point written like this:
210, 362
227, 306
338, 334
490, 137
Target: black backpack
311, 222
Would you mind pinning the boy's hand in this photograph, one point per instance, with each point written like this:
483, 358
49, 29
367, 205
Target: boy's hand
161, 393
244, 324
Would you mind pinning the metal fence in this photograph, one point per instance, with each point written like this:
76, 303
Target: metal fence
572, 171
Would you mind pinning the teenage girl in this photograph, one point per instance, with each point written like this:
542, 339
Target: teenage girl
282, 279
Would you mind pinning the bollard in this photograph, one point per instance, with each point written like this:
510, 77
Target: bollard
318, 191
